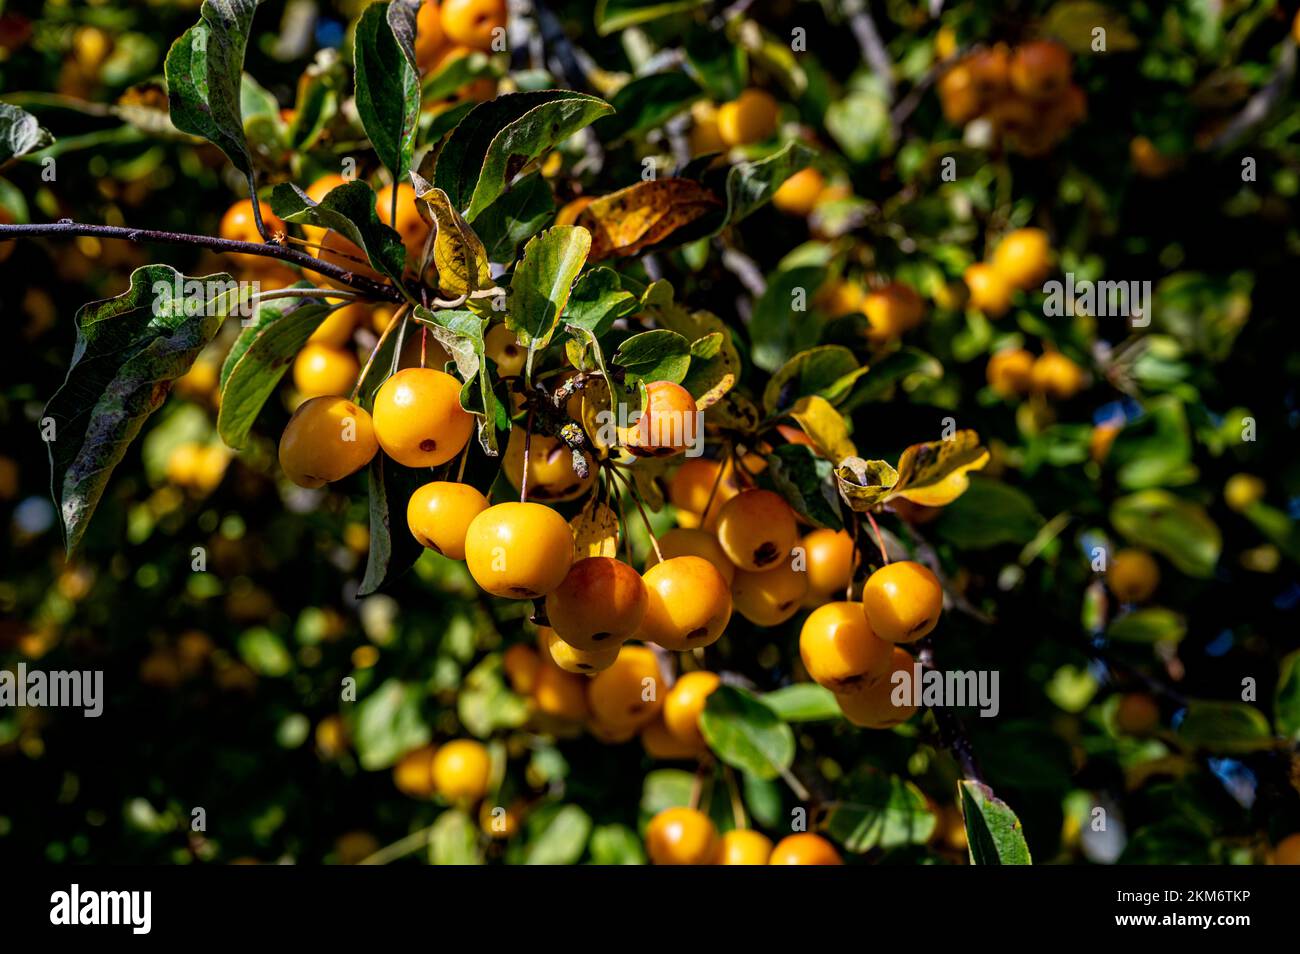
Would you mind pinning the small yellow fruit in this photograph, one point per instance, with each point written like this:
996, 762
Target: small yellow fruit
519, 550
582, 661
871, 704
439, 514
559, 694
757, 530
1287, 851
830, 556
750, 118
462, 770
599, 604
688, 606
902, 601
551, 477
1010, 371
502, 346
771, 597
684, 703
418, 418
682, 836
521, 664
804, 848
326, 439
321, 370
892, 311
1133, 575
744, 846
628, 693
990, 292
799, 193
1023, 258
839, 649
413, 773
683, 541
659, 743
1243, 490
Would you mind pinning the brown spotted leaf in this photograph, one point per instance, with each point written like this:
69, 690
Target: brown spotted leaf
632, 219
458, 254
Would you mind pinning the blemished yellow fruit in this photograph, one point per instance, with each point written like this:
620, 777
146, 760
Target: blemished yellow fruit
473, 23
1242, 491
990, 292
1137, 714
871, 704
462, 770
1057, 376
744, 846
757, 530
804, 848
684, 703
749, 118
628, 693
688, 603
521, 551
1287, 851
669, 422
902, 601
830, 557
439, 514
661, 744
502, 346
559, 694
771, 597
692, 541
598, 605
682, 836
413, 773
799, 193
521, 664
581, 661
418, 418
1010, 372
1024, 258
326, 439
1133, 575
892, 310
551, 477
321, 370
839, 648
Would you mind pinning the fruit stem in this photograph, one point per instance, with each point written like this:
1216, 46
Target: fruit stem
717, 482
424, 340
636, 498
737, 805
854, 559
403, 846
880, 540
528, 446
464, 457
399, 318
796, 786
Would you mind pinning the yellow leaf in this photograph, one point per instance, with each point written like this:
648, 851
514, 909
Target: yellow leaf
595, 532
936, 473
631, 219
865, 483
458, 254
825, 426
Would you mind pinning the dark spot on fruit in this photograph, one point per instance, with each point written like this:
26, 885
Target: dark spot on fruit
583, 665
698, 633
428, 444
523, 593
599, 636
766, 554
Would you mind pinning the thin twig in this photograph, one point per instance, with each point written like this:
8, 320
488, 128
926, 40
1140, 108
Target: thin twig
636, 499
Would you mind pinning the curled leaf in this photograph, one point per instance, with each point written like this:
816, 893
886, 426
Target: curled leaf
935, 473
630, 220
865, 483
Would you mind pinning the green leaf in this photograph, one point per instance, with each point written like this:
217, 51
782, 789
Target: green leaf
388, 81
987, 514
204, 69
393, 550
616, 845
129, 350
20, 133
615, 15
317, 102
888, 371
264, 652
879, 811
777, 330
1152, 624
563, 840
598, 300
812, 371
348, 209
388, 724
803, 702
1156, 449
1230, 728
665, 788
1286, 699
540, 286
515, 217
461, 333
763, 796
745, 733
453, 840
485, 703
498, 138
259, 358
807, 482
657, 355
647, 102
860, 124
722, 66
751, 185
1175, 528
993, 832
1205, 313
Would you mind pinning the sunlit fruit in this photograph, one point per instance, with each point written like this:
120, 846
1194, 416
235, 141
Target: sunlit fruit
757, 530
551, 477
688, 605
413, 773
520, 551
340, 251
685, 541
1040, 69
668, 423
684, 703
336, 330
659, 743
990, 292
1242, 491
799, 193
990, 69
682, 836
326, 439
630, 692
599, 604
572, 659
829, 555
502, 346
1137, 714
1010, 371
462, 770
749, 118
1023, 257
1101, 439
744, 846
902, 601
474, 23
871, 705
559, 694
320, 370
804, 848
439, 514
771, 597
839, 648
418, 418
1057, 376
1133, 575
698, 481
892, 310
